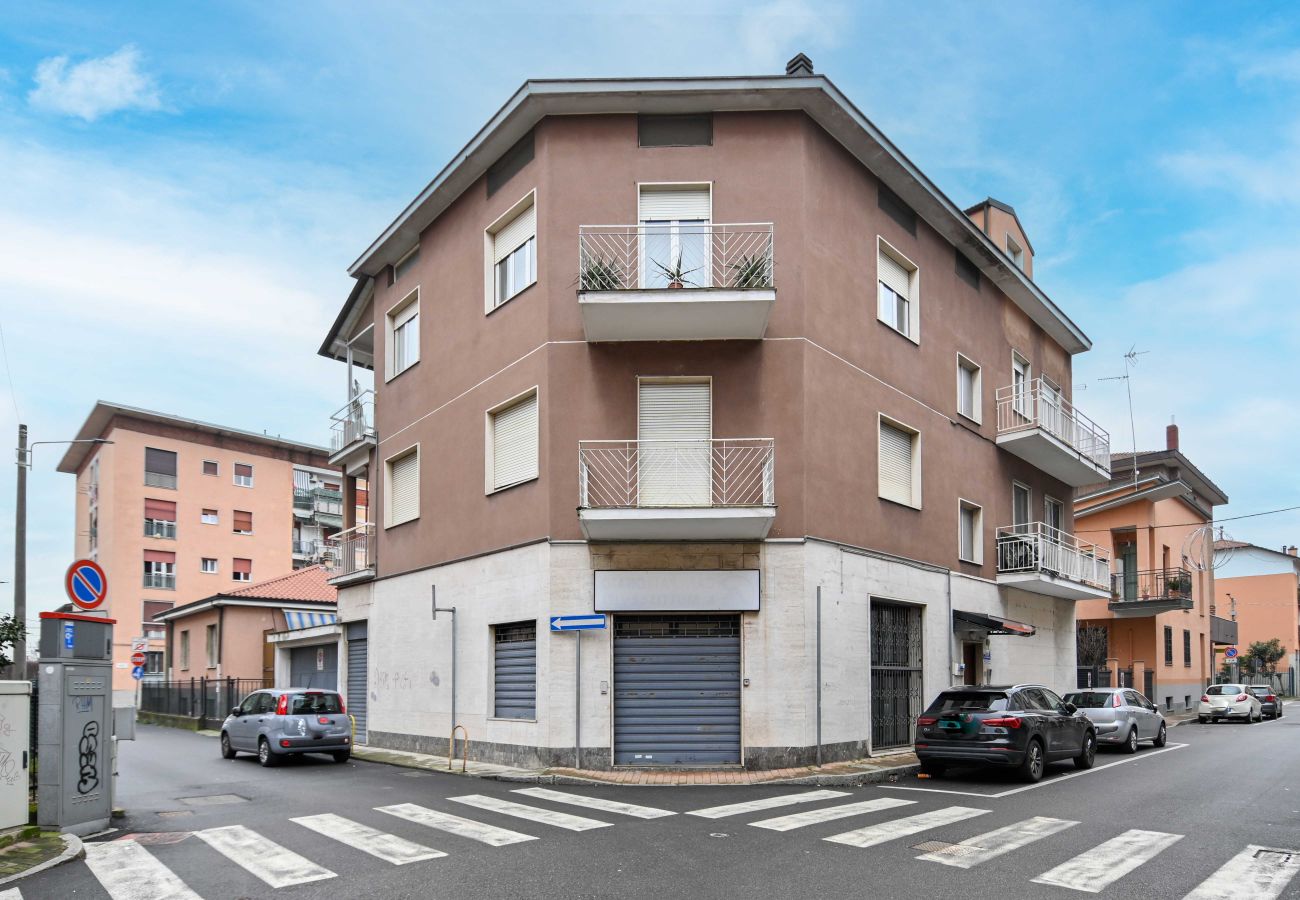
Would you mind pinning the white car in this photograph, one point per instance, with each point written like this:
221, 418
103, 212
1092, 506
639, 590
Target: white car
1229, 701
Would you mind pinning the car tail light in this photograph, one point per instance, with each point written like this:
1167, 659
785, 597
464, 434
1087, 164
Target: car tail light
1205, 698
1002, 722
1241, 697
284, 743
1270, 699
282, 707
926, 720
1116, 701
342, 706
323, 720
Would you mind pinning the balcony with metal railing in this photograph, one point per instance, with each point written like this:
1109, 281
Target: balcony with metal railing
350, 554
721, 489
1037, 424
161, 580
160, 528
1044, 560
1150, 592
352, 432
667, 282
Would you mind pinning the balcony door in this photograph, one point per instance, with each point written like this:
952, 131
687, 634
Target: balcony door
1126, 566
674, 442
675, 235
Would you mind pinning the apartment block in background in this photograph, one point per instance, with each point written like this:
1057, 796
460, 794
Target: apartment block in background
1260, 589
177, 510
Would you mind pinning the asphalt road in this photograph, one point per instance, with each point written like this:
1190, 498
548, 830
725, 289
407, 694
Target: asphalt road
1153, 825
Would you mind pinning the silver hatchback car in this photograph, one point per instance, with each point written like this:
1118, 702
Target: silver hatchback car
284, 721
1122, 716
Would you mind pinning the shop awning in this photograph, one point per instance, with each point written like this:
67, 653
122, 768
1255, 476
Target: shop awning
992, 624
299, 620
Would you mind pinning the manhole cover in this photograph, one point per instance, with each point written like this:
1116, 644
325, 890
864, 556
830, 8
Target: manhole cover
945, 848
160, 837
175, 813
212, 800
1278, 856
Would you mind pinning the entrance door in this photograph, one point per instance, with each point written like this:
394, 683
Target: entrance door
1126, 567
676, 690
895, 673
971, 656
674, 432
315, 667
358, 660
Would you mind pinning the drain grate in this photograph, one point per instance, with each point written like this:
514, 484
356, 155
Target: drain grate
945, 848
212, 800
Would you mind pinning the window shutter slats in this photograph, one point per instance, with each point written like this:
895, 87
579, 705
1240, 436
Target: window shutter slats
243, 521
514, 443
894, 275
159, 556
242, 566
895, 464
675, 205
404, 489
675, 411
674, 455
164, 510
513, 234
160, 462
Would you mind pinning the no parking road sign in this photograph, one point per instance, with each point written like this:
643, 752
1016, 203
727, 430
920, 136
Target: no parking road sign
1231, 653
86, 584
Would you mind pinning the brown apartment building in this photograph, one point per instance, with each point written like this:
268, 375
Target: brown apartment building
710, 357
177, 510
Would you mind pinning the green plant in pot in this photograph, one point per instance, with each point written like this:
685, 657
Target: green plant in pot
751, 272
673, 272
600, 274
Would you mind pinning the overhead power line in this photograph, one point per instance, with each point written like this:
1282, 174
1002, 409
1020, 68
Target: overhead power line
13, 393
1270, 512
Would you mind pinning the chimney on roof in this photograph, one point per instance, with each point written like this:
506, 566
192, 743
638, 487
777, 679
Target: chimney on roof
799, 64
1290, 551
1171, 435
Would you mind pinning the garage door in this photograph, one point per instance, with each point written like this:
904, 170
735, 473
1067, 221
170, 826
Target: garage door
356, 695
676, 690
314, 667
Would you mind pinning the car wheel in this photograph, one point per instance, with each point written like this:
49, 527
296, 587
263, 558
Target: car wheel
341, 756
1162, 736
1088, 755
264, 754
1200, 719
227, 751
933, 768
1032, 767
1131, 742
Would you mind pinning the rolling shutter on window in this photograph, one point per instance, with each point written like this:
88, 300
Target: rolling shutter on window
512, 235
894, 275
677, 205
895, 464
164, 510
514, 443
159, 556
160, 462
404, 488
154, 608
243, 470
243, 520
674, 411
515, 671
241, 566
674, 453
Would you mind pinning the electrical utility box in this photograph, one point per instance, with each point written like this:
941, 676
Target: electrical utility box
15, 747
74, 786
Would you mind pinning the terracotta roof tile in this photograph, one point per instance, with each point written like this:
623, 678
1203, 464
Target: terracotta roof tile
310, 584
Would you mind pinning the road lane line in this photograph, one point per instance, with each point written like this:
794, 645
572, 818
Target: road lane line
388, 847
531, 813
11, 894
1103, 865
600, 803
980, 849
127, 871
1256, 873
888, 831
277, 866
466, 828
736, 809
829, 814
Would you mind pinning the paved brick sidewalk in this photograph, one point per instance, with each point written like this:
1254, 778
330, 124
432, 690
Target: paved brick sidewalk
22, 855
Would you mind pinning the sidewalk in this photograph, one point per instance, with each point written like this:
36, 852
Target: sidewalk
31, 850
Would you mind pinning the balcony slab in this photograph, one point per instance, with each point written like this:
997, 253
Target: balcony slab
1153, 606
687, 314
1046, 452
677, 524
354, 456
1052, 586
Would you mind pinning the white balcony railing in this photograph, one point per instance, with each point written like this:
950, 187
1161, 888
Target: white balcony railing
354, 422
1036, 405
164, 580
657, 256
1038, 548
730, 472
352, 551
160, 480
160, 528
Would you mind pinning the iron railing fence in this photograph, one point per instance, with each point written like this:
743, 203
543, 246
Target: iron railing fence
302, 499
663, 255
351, 551
207, 699
1152, 584
164, 580
1039, 548
160, 528
354, 422
726, 472
1035, 405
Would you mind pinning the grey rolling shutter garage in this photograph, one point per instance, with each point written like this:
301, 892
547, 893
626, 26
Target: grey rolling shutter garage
314, 667
676, 690
515, 671
357, 692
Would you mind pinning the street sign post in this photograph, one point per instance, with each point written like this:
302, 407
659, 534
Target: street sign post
1231, 653
138, 658
577, 623
137, 673
86, 584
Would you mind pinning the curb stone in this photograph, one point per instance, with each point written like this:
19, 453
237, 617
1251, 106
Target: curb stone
73, 849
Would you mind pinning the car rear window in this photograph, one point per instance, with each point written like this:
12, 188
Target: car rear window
968, 701
1260, 691
1218, 690
300, 704
1089, 699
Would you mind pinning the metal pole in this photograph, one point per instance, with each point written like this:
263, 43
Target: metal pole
577, 701
819, 674
20, 557
433, 596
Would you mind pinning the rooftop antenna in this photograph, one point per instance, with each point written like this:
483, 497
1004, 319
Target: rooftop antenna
1130, 363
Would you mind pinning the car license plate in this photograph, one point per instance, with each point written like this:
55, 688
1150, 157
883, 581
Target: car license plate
950, 724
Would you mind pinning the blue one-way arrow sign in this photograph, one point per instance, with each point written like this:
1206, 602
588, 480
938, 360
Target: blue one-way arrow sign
576, 623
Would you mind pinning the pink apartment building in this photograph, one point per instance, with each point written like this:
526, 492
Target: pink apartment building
1260, 589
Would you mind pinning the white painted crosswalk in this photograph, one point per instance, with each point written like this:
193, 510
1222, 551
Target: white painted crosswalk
1103, 865
11, 894
738, 809
980, 849
388, 847
598, 803
531, 813
1256, 873
277, 866
830, 814
466, 828
888, 831
127, 871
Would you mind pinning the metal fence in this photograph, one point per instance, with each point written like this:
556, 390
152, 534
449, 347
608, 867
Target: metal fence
354, 422
207, 699
683, 255
1092, 677
1036, 404
717, 473
1038, 547
351, 551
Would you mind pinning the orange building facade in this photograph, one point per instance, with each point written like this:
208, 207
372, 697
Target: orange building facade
1260, 588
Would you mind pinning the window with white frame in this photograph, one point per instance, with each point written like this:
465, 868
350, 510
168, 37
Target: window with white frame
160, 569
241, 521
675, 236
512, 250
896, 285
900, 463
209, 517
1020, 506
243, 475
402, 484
969, 388
512, 442
404, 334
208, 566
970, 531
1016, 252
241, 569
1053, 517
1021, 376
211, 467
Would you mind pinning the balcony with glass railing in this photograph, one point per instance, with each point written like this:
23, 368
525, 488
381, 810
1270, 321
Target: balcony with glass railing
1037, 424
677, 490
676, 282
352, 432
1038, 558
1150, 592
350, 554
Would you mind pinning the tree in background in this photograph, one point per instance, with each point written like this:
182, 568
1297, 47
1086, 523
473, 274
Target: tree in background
1262, 657
1092, 644
10, 630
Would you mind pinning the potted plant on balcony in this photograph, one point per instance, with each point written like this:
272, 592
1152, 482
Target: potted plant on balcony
599, 274
753, 271
673, 272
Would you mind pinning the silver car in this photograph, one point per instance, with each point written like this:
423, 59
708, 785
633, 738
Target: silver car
284, 721
1123, 717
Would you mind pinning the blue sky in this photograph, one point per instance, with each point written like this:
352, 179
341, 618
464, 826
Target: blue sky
175, 172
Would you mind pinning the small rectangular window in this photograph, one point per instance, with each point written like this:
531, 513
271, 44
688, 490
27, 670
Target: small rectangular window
1015, 252
900, 470
406, 263
210, 467
1169, 645
513, 443
404, 335
243, 475
966, 270
242, 521
690, 130
241, 569
510, 163
208, 566
209, 517
512, 246
159, 468
969, 389
515, 670
896, 209
970, 532
1187, 647
153, 662
896, 291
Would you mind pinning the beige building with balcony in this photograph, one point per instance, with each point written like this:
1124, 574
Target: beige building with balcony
712, 359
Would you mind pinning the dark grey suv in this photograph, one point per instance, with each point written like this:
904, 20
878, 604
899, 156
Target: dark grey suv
284, 721
1018, 726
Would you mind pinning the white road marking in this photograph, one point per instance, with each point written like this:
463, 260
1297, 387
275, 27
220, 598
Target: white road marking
11, 894
736, 809
1256, 873
829, 814
973, 851
388, 847
614, 806
276, 865
888, 831
466, 828
127, 871
531, 813
1103, 865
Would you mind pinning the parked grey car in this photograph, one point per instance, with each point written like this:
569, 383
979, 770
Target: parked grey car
1270, 707
1122, 716
283, 721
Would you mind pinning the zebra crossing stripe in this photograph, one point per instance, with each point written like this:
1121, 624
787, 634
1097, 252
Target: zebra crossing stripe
466, 828
531, 813
888, 831
736, 809
973, 851
276, 865
600, 803
1256, 873
1110, 861
127, 871
11, 894
388, 847
829, 814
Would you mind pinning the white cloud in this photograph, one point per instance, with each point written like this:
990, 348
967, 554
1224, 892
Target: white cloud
776, 31
95, 87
